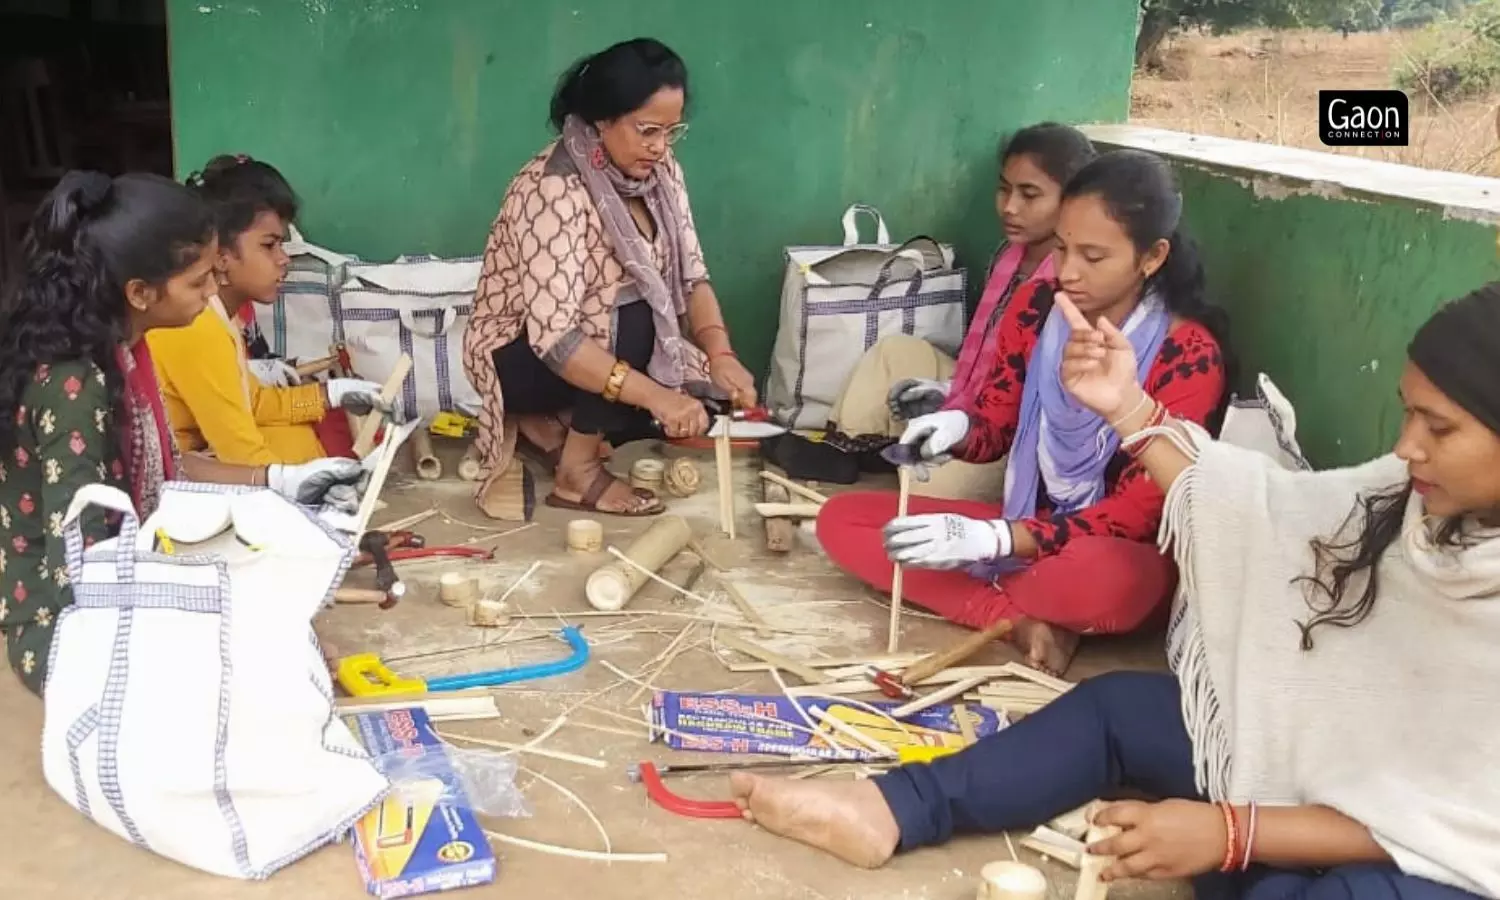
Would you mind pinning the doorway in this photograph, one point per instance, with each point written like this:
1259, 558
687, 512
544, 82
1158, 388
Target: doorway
83, 85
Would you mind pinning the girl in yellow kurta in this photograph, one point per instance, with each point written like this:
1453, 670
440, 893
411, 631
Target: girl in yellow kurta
213, 399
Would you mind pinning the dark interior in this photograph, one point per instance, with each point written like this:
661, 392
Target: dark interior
83, 84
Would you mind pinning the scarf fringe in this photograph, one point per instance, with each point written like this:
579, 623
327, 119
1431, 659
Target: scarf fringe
1186, 654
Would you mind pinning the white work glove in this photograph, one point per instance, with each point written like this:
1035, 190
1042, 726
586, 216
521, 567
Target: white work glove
946, 541
913, 397
333, 481
355, 395
936, 434
274, 372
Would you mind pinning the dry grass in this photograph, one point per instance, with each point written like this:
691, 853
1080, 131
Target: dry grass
1263, 86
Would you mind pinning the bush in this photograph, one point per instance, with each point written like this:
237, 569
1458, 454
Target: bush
1452, 60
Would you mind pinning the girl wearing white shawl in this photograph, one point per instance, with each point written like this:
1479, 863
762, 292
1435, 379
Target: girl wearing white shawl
1331, 723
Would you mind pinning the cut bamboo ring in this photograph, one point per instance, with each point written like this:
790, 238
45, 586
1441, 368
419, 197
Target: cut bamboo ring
682, 478
647, 474
489, 614
585, 536
1007, 880
456, 589
468, 467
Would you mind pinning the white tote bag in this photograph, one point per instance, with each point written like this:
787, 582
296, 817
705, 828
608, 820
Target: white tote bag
1267, 423
836, 302
188, 708
304, 321
419, 307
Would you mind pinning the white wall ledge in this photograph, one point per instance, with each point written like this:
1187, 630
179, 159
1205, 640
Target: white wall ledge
1275, 172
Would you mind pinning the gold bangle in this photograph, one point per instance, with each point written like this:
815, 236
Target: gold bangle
616, 380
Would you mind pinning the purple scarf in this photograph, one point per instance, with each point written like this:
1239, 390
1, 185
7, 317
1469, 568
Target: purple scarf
1060, 444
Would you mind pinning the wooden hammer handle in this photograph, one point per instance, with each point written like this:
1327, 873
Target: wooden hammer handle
359, 595
933, 663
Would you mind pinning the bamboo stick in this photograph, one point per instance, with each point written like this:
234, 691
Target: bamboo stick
902, 502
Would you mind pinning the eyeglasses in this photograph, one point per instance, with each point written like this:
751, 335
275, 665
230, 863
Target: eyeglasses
651, 133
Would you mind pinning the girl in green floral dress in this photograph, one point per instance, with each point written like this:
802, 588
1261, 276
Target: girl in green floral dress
105, 261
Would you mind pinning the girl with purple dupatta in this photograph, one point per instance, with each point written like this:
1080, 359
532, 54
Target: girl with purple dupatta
1071, 549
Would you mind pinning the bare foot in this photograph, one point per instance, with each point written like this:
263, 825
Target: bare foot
1047, 647
574, 481
847, 819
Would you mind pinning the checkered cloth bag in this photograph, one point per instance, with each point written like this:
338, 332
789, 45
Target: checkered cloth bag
304, 321
420, 307
188, 708
836, 302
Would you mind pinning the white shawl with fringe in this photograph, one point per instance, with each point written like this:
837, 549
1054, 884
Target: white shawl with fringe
1394, 722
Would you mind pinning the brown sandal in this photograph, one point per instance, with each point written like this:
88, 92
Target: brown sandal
532, 453
590, 501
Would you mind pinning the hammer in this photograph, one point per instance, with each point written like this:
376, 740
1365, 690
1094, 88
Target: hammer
377, 544
928, 666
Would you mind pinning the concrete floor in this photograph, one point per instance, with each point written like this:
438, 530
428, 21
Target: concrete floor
50, 851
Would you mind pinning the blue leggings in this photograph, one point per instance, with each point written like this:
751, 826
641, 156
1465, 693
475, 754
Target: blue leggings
1114, 732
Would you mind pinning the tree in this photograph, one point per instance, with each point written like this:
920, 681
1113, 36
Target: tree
1160, 18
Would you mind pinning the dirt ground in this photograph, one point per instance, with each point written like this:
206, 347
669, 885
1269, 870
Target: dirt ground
1263, 86
51, 852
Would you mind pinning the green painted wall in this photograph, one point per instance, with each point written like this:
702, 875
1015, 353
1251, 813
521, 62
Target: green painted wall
401, 121
1325, 293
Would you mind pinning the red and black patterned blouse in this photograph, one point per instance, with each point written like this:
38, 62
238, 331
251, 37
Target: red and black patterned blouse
1187, 378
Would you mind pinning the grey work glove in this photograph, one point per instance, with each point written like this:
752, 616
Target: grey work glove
935, 435
275, 372
945, 541
911, 398
336, 482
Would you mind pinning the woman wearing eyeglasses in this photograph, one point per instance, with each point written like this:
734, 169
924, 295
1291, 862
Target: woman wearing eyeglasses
595, 322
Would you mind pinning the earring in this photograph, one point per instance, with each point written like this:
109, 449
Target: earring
221, 278
597, 158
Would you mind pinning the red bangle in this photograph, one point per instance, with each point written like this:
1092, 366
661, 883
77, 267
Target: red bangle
699, 333
1156, 419
728, 353
1232, 841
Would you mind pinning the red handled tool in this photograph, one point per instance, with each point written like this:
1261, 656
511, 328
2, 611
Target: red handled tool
647, 774
890, 685
382, 548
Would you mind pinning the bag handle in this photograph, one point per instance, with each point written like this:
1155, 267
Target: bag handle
296, 245
440, 325
851, 225
116, 500
883, 277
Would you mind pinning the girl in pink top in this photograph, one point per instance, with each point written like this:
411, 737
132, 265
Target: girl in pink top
904, 377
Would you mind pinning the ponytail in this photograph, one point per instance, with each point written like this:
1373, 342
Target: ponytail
1184, 288
60, 309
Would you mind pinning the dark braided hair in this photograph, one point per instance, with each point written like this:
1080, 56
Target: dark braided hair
90, 237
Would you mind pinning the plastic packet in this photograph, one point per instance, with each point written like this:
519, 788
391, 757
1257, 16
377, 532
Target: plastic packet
486, 781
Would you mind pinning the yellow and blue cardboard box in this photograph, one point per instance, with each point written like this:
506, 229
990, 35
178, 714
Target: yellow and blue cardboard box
424, 837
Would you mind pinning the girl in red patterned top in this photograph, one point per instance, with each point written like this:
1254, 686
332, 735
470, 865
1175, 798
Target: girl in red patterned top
1072, 550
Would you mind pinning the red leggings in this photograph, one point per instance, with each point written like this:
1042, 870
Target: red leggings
334, 434
1093, 585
